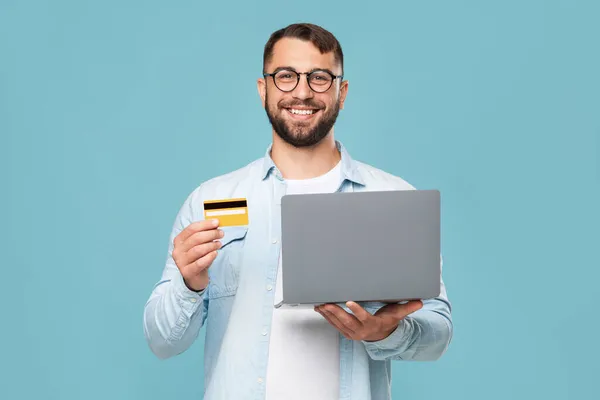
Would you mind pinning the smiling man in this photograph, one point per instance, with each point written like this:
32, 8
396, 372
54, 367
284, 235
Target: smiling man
227, 277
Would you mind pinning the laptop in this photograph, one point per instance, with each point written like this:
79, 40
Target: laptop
377, 246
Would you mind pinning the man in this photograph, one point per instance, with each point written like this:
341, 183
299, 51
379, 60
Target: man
227, 278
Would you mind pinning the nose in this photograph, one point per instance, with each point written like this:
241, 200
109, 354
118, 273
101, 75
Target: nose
302, 90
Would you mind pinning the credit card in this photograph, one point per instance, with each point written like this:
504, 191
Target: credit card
229, 212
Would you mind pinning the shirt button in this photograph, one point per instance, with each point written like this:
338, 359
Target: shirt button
193, 300
182, 325
264, 332
274, 241
269, 287
259, 380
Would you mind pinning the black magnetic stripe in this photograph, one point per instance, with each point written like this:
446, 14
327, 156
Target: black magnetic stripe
226, 204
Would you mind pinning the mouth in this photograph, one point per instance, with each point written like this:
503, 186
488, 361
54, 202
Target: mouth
302, 114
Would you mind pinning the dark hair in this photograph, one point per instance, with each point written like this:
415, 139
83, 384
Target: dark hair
320, 37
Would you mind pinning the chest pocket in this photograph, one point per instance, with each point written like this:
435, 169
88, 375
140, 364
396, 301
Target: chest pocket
224, 271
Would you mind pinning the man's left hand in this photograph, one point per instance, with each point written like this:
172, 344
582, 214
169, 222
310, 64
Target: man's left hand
362, 325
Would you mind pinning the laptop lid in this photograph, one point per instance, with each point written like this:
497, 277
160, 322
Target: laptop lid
360, 246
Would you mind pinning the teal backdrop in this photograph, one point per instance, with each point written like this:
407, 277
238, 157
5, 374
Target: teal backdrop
111, 112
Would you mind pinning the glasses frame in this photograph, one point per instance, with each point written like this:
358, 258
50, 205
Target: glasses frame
308, 74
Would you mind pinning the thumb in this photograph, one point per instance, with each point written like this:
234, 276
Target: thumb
400, 311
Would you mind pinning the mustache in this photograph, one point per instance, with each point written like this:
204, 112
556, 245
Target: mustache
305, 103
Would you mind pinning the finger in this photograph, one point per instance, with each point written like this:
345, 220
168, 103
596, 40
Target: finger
200, 238
193, 228
363, 315
332, 319
199, 251
349, 320
201, 264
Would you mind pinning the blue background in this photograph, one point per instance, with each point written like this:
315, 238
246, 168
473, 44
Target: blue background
111, 112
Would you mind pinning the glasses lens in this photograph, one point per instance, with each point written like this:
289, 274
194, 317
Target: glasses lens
286, 80
320, 81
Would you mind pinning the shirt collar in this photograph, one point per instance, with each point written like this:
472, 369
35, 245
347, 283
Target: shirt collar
349, 166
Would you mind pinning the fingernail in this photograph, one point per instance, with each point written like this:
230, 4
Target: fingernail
215, 222
221, 233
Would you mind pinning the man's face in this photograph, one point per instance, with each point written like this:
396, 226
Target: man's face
303, 116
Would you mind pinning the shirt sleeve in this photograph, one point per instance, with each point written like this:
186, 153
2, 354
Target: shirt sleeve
422, 336
174, 314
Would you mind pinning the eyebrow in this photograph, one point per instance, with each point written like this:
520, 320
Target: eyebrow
287, 67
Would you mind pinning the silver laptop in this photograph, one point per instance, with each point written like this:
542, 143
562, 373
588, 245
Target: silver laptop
379, 246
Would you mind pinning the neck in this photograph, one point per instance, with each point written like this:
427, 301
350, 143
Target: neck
305, 162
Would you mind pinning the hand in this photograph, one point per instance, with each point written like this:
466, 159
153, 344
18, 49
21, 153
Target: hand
195, 248
364, 325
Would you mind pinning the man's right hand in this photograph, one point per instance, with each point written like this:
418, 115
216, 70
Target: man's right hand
195, 248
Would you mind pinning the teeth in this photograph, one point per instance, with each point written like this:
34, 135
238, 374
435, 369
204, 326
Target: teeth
302, 112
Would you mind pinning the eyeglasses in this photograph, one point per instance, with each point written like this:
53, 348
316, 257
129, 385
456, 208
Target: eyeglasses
319, 80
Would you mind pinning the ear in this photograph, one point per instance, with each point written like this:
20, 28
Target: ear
262, 90
343, 93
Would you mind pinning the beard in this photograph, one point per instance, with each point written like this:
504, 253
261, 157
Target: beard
300, 134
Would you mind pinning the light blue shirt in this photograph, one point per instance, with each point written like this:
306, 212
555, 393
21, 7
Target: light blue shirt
237, 306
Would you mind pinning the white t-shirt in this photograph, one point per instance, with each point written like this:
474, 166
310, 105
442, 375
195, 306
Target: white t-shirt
304, 360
